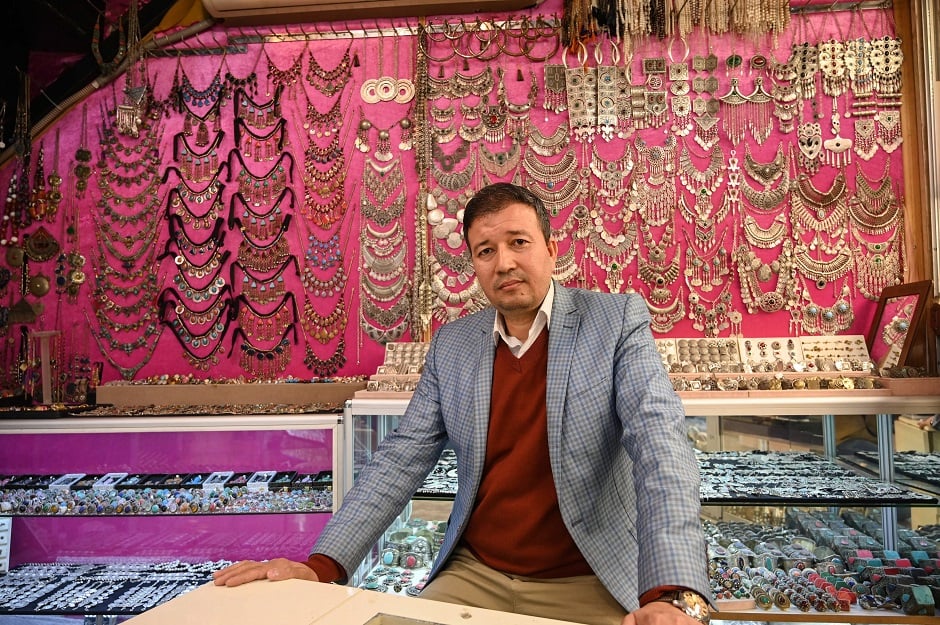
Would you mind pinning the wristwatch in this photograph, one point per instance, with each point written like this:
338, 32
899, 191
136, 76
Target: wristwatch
689, 602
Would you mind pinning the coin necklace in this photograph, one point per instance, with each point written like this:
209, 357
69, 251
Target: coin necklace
266, 325
264, 289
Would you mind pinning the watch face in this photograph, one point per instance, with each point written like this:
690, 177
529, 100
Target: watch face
694, 605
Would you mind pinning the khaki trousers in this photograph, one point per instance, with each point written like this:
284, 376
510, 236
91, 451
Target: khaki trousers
468, 581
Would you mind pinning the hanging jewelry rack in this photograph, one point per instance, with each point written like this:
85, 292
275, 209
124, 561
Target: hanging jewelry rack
400, 30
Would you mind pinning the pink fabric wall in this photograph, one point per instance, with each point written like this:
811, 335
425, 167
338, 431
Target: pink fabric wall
392, 57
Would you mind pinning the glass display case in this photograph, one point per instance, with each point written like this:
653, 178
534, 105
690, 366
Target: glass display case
136, 509
796, 487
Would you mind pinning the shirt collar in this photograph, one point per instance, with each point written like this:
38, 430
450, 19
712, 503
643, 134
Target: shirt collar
542, 319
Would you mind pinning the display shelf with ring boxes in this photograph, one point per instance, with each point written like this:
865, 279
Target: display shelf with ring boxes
112, 514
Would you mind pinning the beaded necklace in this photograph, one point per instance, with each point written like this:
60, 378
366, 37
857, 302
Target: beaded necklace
319, 287
325, 213
323, 155
146, 233
328, 367
259, 225
266, 326
324, 124
258, 114
117, 326
324, 328
282, 79
197, 166
105, 290
260, 190
329, 82
146, 240
127, 373
263, 289
260, 147
264, 364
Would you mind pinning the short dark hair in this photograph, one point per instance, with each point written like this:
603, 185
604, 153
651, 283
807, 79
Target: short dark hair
497, 196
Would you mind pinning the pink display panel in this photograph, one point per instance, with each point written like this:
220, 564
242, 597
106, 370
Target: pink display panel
194, 537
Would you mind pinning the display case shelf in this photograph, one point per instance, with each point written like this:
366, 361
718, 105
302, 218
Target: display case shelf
279, 523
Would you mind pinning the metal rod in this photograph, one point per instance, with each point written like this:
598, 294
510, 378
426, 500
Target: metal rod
808, 6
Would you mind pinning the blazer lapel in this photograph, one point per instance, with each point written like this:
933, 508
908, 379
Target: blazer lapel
562, 335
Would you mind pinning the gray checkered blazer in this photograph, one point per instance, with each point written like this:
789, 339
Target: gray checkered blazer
627, 479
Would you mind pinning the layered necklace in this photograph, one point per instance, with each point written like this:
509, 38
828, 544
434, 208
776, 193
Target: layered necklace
127, 333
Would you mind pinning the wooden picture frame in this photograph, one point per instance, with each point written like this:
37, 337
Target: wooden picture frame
897, 324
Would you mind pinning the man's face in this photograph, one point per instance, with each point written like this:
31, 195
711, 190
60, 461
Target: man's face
513, 263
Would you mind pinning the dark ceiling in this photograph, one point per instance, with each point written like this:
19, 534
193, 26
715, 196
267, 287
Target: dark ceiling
51, 41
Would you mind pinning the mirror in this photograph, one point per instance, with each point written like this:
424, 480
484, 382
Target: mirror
897, 323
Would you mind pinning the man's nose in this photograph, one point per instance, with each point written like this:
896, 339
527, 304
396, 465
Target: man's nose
505, 259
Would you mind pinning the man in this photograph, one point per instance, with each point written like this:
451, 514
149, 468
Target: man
578, 494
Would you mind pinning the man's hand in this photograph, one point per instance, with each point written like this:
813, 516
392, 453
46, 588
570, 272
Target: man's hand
274, 570
658, 613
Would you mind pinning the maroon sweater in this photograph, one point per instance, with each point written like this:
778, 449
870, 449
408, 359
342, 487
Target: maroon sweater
516, 526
